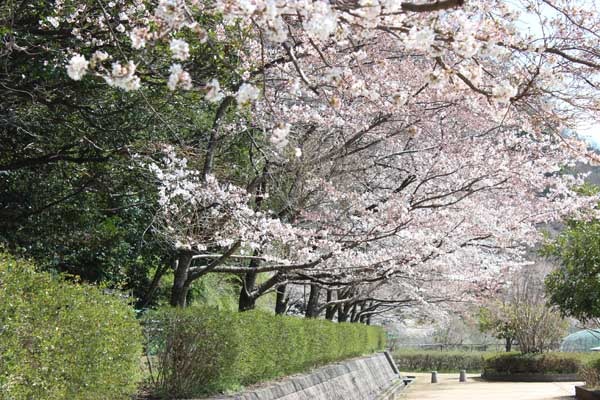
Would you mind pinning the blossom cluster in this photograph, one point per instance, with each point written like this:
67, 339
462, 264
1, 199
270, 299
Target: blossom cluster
426, 135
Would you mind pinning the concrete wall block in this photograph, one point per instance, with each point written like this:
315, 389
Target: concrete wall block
365, 378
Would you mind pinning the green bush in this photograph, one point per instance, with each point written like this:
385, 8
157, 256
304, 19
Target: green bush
441, 361
201, 350
544, 363
59, 340
590, 373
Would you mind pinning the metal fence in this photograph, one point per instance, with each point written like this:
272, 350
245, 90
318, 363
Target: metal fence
497, 347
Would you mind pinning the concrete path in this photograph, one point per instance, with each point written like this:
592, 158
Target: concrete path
449, 388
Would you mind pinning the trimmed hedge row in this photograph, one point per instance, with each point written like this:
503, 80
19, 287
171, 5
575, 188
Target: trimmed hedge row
202, 350
545, 363
590, 373
441, 361
59, 340
501, 364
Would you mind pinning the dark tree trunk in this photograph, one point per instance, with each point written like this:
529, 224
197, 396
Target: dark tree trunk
508, 345
344, 312
212, 142
354, 312
312, 309
281, 301
330, 310
342, 316
247, 299
160, 271
181, 285
357, 311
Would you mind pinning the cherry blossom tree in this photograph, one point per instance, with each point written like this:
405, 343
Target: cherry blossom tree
391, 142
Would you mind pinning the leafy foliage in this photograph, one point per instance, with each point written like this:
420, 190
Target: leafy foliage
523, 314
202, 349
76, 143
59, 340
489, 322
549, 363
590, 373
575, 286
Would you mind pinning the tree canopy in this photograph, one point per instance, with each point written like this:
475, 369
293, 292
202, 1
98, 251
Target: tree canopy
575, 284
385, 154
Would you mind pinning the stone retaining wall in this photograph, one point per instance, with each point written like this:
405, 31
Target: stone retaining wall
366, 378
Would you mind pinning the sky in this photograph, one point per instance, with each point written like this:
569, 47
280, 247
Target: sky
590, 134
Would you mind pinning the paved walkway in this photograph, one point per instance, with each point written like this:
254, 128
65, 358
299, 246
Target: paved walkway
449, 388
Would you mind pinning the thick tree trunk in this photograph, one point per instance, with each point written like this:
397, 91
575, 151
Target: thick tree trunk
344, 312
312, 309
247, 300
281, 301
181, 285
330, 310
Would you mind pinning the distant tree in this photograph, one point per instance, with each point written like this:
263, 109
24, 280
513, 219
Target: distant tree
459, 330
492, 322
575, 285
524, 316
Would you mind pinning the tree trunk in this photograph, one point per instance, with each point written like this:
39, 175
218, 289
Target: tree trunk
363, 318
342, 316
312, 309
181, 285
330, 310
247, 300
160, 271
344, 309
344, 312
281, 301
508, 344
355, 313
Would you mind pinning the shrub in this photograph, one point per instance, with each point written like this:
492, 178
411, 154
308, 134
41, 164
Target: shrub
442, 361
545, 363
59, 340
590, 373
201, 350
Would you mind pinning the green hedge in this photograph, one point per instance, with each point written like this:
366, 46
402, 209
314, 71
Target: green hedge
441, 361
202, 350
59, 340
545, 363
590, 372
492, 363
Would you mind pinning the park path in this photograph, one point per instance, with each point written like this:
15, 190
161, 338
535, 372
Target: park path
449, 388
